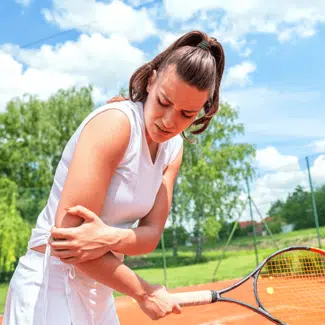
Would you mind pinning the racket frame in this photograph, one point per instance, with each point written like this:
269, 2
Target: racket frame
216, 294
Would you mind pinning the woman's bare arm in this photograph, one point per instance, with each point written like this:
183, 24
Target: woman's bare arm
100, 148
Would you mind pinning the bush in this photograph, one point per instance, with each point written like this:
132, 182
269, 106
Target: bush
181, 233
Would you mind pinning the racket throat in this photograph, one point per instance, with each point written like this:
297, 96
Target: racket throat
215, 296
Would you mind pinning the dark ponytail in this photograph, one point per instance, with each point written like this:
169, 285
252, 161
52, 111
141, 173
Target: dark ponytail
200, 66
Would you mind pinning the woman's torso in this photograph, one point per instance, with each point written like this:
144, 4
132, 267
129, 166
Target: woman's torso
134, 186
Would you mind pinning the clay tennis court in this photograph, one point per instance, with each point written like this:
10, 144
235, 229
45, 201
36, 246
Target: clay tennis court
221, 314
215, 314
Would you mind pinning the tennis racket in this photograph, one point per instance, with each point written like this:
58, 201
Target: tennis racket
288, 286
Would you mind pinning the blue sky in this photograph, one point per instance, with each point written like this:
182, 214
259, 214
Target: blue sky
275, 72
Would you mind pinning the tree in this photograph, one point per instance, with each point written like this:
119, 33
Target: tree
214, 171
298, 209
182, 236
211, 228
275, 214
276, 209
176, 214
33, 134
14, 231
227, 228
320, 203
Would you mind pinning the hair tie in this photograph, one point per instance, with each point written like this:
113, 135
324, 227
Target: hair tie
204, 45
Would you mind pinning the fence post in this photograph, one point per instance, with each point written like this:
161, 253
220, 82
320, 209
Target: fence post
164, 260
253, 222
314, 203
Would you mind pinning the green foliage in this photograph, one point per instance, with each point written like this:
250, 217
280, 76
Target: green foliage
248, 230
211, 228
33, 134
297, 209
14, 231
177, 215
3, 294
275, 213
181, 233
275, 225
320, 203
226, 229
214, 170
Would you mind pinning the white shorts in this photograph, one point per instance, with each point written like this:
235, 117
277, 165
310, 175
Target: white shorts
46, 291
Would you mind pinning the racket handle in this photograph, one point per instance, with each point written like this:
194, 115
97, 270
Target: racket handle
194, 298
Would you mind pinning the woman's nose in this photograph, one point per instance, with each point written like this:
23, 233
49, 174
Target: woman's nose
169, 119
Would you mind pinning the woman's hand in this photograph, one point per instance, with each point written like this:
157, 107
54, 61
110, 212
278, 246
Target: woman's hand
158, 303
85, 242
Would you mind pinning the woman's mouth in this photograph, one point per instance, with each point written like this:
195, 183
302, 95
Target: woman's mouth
162, 131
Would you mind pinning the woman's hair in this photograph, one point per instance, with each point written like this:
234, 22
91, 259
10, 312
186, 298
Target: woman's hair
199, 66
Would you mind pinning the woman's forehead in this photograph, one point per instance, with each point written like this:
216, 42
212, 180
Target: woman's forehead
180, 93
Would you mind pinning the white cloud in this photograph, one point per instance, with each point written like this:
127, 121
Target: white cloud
318, 146
239, 74
285, 35
91, 16
15, 81
317, 171
105, 63
270, 158
275, 186
292, 19
24, 3
166, 39
246, 53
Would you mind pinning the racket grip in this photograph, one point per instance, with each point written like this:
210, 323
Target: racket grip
194, 298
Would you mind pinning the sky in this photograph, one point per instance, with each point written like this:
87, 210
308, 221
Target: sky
275, 71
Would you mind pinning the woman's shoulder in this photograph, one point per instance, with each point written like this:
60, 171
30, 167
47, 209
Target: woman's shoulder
126, 107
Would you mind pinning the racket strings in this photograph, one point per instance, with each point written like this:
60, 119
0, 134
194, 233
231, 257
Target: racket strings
291, 286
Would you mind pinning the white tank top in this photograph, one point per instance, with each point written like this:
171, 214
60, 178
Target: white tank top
134, 186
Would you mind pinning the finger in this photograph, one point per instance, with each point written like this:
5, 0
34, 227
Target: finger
177, 309
60, 244
169, 310
82, 212
63, 254
62, 233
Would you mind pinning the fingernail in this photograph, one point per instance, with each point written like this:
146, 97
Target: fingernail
67, 209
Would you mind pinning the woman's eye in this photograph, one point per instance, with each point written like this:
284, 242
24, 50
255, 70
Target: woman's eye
160, 103
186, 116
166, 105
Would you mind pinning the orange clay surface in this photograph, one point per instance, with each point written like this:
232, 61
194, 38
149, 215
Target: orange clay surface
220, 313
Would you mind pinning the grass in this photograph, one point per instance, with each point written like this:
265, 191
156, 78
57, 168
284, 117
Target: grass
233, 266
185, 270
298, 237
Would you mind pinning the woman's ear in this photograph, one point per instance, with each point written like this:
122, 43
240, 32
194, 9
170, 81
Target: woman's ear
151, 80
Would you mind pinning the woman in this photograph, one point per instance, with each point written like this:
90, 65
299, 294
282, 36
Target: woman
120, 164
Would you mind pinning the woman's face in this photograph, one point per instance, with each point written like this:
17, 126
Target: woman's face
171, 106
